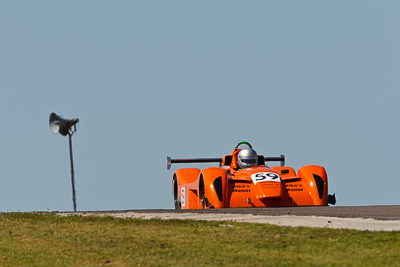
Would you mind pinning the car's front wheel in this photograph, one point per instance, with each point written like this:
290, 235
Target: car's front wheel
202, 196
177, 202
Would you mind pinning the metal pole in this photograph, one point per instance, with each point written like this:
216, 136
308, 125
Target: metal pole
72, 169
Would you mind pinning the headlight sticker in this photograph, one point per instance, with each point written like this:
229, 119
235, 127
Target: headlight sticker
183, 197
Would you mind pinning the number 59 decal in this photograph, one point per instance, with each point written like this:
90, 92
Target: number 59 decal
265, 177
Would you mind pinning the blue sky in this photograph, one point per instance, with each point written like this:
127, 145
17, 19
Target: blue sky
317, 81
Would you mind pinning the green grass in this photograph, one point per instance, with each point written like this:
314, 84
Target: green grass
37, 239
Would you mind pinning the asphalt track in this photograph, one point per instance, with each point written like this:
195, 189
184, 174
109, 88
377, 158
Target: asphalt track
371, 218
373, 212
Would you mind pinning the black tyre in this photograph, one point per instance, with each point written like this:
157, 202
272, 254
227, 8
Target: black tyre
177, 202
202, 193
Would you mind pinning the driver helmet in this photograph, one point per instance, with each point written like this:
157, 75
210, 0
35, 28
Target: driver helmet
247, 158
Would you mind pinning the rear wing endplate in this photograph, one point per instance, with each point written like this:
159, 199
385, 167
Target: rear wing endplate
170, 160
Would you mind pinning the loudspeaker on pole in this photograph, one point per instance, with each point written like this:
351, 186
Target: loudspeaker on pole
64, 126
60, 125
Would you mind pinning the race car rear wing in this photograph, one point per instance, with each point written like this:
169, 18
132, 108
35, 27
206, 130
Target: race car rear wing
170, 160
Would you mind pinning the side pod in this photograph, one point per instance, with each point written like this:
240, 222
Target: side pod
316, 181
215, 183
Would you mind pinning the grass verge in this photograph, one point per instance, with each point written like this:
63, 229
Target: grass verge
48, 239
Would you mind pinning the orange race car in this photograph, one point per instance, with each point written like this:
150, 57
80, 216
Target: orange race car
243, 180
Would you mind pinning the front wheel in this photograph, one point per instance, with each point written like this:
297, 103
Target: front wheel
177, 202
203, 198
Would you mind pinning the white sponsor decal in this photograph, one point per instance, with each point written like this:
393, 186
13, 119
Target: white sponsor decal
265, 177
183, 197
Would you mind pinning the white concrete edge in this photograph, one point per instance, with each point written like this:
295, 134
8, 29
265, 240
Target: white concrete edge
283, 220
